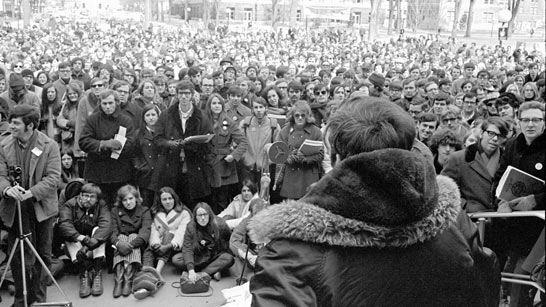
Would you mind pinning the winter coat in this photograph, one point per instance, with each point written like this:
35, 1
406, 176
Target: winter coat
227, 133
197, 156
472, 177
126, 222
201, 247
378, 230
522, 233
86, 106
298, 175
44, 176
75, 221
174, 222
145, 159
99, 166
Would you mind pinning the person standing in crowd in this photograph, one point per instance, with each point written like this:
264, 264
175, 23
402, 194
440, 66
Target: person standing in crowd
183, 165
206, 245
79, 75
469, 113
131, 222
229, 144
18, 94
318, 106
525, 152
35, 192
170, 220
300, 170
234, 108
65, 78
85, 224
426, 126
108, 138
474, 167
49, 111
28, 77
426, 238
66, 121
86, 107
443, 143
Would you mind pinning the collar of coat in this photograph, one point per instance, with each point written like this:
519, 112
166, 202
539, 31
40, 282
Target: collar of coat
336, 213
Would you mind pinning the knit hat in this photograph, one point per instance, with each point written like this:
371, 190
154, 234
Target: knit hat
16, 81
377, 80
27, 72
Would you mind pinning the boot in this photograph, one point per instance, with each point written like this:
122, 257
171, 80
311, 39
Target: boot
85, 284
118, 279
128, 276
97, 288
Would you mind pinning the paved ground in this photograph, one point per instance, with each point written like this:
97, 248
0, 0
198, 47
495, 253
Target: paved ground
167, 295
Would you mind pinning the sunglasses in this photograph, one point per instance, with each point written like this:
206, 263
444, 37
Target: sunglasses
97, 85
321, 92
18, 66
168, 61
299, 116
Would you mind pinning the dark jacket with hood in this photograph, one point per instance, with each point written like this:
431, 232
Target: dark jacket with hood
378, 230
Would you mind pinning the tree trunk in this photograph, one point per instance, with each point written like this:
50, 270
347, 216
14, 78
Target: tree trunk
458, 4
206, 12
514, 9
372, 33
391, 8
398, 16
470, 19
274, 12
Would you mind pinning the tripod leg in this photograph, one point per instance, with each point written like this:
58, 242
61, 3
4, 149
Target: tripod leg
44, 266
9, 262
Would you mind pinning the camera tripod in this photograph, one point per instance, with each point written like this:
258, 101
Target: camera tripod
20, 241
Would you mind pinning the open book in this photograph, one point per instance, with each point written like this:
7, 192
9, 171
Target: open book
310, 147
200, 139
516, 183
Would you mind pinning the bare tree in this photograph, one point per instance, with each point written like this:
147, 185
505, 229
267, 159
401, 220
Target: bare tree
470, 18
514, 8
391, 9
372, 33
458, 4
274, 4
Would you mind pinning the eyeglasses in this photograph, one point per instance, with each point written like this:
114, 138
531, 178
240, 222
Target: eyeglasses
321, 92
493, 134
470, 102
88, 196
299, 115
491, 104
535, 120
65, 70
168, 61
18, 66
97, 85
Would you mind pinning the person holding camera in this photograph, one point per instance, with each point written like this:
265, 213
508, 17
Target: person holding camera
85, 224
30, 169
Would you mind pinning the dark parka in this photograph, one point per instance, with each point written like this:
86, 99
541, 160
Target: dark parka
126, 222
75, 221
197, 156
378, 230
99, 166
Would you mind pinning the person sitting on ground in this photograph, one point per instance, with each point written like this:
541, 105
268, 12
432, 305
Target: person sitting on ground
239, 208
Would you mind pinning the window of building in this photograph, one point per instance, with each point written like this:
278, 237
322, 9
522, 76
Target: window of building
247, 14
298, 15
356, 18
488, 17
534, 10
487, 1
503, 2
231, 12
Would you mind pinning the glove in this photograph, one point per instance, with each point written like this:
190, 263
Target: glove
81, 255
524, 203
124, 248
111, 144
91, 243
504, 207
172, 144
164, 249
155, 247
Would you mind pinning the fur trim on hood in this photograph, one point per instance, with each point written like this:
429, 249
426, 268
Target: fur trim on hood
343, 220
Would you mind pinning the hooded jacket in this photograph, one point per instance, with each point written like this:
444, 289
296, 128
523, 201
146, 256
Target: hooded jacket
378, 230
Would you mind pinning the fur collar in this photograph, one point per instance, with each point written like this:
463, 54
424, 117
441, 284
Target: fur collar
310, 220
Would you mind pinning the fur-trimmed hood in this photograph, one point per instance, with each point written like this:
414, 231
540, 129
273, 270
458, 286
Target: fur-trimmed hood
385, 198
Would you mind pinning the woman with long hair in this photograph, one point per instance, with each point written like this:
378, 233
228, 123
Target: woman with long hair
146, 93
206, 244
275, 104
229, 144
69, 170
131, 223
66, 121
42, 79
49, 110
146, 154
300, 169
530, 92
239, 208
169, 224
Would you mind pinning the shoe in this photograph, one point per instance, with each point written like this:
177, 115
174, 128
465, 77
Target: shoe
141, 293
85, 287
119, 281
128, 276
217, 276
97, 289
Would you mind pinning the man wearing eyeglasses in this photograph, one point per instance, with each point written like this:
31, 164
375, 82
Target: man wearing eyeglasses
85, 225
65, 76
474, 167
184, 166
469, 113
525, 152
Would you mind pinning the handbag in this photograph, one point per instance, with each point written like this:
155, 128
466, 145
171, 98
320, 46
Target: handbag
201, 284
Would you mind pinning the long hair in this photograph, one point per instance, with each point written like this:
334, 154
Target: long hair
303, 107
127, 190
55, 104
211, 228
158, 207
223, 118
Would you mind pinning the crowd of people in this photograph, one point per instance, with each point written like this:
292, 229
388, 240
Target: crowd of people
139, 148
